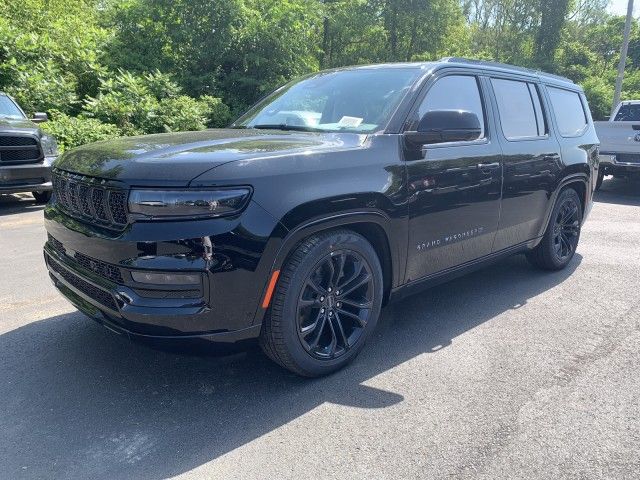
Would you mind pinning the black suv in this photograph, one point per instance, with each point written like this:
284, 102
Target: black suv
338, 192
26, 153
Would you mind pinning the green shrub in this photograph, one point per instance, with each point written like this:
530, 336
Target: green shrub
41, 87
217, 113
153, 103
599, 94
72, 132
179, 113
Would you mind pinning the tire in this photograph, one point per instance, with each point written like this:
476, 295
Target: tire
599, 179
318, 322
41, 197
559, 243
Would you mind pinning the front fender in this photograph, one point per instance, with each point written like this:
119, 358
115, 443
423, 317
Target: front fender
394, 231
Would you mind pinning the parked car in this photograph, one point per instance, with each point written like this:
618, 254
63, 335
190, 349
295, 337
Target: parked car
620, 142
391, 179
26, 153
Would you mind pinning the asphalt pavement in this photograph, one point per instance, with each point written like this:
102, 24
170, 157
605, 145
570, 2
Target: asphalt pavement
506, 373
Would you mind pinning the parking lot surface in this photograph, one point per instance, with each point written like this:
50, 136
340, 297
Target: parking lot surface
506, 373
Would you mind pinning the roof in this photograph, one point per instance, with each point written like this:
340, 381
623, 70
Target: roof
497, 66
469, 62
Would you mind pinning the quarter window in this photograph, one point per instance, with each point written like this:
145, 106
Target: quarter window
569, 111
454, 92
520, 109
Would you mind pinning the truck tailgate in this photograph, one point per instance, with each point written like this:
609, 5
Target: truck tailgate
619, 137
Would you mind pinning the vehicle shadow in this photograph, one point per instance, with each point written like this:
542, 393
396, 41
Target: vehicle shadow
620, 191
11, 204
77, 401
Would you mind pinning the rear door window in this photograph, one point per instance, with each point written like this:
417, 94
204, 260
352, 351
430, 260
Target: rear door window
520, 109
569, 111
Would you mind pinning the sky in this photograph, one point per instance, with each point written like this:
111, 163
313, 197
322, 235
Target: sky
619, 7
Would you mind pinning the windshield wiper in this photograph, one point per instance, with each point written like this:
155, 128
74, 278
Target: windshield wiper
284, 126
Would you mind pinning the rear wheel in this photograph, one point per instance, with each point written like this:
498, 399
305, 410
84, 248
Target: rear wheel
41, 197
560, 240
326, 303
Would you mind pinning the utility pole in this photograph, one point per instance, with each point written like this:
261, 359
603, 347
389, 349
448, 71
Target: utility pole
623, 56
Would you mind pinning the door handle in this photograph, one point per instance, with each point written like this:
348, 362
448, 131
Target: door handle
487, 167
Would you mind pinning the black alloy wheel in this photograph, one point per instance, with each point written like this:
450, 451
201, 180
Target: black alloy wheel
326, 303
566, 229
335, 304
559, 243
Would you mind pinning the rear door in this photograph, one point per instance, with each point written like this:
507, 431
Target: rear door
531, 158
454, 189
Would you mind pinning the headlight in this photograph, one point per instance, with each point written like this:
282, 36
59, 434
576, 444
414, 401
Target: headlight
49, 146
164, 204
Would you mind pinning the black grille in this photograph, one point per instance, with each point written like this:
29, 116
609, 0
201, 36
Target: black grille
56, 244
118, 207
628, 157
103, 269
89, 200
19, 149
99, 295
7, 141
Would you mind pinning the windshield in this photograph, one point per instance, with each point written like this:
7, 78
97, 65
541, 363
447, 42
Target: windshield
360, 101
9, 109
628, 113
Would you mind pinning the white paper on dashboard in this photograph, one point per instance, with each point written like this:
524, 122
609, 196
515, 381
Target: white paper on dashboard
349, 121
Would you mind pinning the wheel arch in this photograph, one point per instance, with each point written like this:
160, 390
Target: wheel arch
580, 182
373, 225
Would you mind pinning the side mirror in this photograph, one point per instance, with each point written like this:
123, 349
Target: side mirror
40, 117
439, 126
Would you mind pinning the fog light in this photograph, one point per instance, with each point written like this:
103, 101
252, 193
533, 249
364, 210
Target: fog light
153, 278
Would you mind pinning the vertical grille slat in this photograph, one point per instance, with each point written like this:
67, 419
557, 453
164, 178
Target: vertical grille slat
91, 201
97, 199
83, 196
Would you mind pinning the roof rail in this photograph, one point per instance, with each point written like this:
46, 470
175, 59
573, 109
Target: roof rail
506, 66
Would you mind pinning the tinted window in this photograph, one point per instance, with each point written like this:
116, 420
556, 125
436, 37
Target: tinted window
8, 108
568, 111
628, 113
517, 110
455, 92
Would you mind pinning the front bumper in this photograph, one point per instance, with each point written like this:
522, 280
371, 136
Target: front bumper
92, 268
113, 321
34, 177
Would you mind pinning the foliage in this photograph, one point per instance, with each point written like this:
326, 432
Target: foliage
140, 66
74, 131
152, 103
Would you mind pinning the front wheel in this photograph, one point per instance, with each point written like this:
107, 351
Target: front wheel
326, 303
41, 197
559, 243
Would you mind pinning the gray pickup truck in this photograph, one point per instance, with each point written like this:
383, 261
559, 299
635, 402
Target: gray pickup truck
620, 142
26, 152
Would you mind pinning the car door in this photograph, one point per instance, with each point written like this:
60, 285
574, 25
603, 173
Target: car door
531, 157
454, 187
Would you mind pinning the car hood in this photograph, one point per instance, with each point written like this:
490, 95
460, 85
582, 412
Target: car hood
19, 125
174, 159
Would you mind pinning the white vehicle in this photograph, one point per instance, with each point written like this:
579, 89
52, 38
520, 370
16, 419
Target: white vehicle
620, 142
